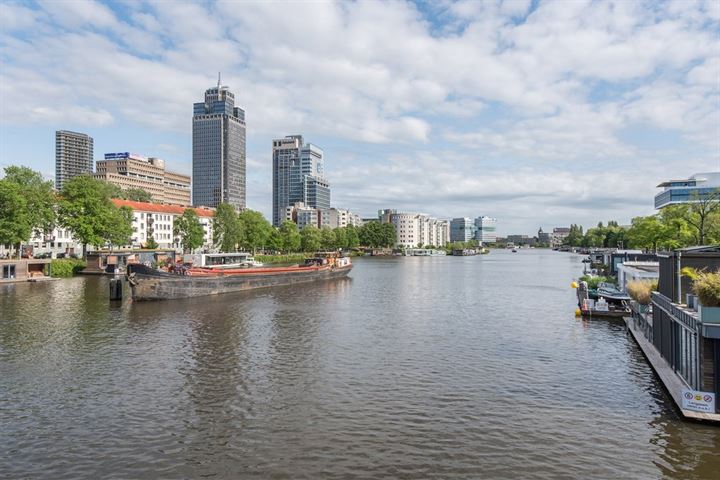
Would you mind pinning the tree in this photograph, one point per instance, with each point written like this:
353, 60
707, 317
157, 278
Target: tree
227, 228
15, 223
387, 235
189, 229
257, 230
39, 198
137, 195
118, 230
86, 210
341, 237
701, 210
327, 238
352, 239
575, 237
310, 239
289, 237
648, 232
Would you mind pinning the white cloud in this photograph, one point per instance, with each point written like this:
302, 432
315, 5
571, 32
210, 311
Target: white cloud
474, 85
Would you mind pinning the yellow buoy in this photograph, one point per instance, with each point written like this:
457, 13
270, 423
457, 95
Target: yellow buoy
577, 312
573, 285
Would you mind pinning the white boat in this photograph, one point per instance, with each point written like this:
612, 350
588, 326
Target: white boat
222, 260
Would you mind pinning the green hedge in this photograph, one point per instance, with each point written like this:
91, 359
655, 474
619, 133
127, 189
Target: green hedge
291, 258
66, 267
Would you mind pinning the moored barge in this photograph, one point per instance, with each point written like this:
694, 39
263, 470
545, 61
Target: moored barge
147, 283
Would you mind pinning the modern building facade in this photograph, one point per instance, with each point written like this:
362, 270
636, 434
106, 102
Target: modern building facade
298, 176
697, 188
304, 215
130, 170
219, 162
462, 230
485, 229
73, 156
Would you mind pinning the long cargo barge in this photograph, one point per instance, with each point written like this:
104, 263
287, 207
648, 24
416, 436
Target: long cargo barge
152, 284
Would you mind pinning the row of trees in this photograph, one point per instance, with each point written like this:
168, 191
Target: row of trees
675, 226
29, 206
250, 231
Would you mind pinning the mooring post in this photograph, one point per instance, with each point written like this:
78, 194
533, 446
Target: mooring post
116, 289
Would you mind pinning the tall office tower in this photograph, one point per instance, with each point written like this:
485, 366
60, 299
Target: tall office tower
219, 165
298, 176
73, 155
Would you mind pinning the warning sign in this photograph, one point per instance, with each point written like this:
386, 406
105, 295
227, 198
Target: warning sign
698, 401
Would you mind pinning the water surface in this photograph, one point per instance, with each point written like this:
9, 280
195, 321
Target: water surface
439, 367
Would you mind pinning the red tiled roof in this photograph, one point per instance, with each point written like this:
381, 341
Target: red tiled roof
160, 208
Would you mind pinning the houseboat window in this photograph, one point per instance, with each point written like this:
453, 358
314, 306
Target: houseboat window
8, 271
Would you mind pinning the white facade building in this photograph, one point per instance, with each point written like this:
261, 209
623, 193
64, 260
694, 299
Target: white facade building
417, 230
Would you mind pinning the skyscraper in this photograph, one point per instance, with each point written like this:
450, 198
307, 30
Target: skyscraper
73, 155
219, 166
298, 176
485, 229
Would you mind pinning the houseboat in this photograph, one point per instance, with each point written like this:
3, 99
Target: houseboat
424, 252
183, 281
681, 341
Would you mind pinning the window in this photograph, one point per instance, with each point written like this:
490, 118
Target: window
8, 271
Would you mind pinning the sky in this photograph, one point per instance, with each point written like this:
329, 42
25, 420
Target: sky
538, 113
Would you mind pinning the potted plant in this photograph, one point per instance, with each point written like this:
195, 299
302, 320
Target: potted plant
706, 286
641, 292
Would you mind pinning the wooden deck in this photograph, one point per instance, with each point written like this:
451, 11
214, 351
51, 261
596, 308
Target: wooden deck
673, 384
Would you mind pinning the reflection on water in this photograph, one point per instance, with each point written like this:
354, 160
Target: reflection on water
412, 368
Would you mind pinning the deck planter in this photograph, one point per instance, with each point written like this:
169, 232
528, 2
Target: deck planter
710, 318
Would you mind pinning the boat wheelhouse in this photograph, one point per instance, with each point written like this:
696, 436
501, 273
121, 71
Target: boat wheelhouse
222, 260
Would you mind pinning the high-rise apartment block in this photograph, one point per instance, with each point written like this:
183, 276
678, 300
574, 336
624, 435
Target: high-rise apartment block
298, 176
73, 156
219, 163
485, 229
130, 170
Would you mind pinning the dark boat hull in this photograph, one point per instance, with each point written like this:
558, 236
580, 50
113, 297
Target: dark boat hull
150, 284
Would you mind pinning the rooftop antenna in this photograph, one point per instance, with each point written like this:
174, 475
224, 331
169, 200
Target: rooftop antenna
218, 80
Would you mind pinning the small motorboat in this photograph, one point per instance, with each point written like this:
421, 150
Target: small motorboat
611, 293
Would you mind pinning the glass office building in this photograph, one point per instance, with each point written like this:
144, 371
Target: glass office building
461, 230
219, 163
697, 188
298, 176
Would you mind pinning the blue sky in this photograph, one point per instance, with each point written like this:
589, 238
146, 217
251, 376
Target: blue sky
537, 113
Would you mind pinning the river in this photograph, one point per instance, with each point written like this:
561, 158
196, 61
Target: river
435, 367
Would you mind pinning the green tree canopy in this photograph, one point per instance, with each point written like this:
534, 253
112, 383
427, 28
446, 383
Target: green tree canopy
119, 230
351, 237
227, 228
341, 237
137, 195
310, 239
257, 230
189, 229
39, 198
327, 239
289, 237
15, 222
86, 210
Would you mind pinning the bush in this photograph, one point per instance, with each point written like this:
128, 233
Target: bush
66, 267
593, 282
290, 258
706, 286
640, 290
